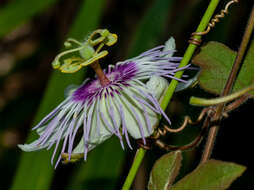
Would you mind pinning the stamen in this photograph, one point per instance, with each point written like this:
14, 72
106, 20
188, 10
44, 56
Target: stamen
74, 41
56, 62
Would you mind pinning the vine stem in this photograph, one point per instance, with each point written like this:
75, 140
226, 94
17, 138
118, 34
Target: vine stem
223, 99
134, 168
228, 87
172, 86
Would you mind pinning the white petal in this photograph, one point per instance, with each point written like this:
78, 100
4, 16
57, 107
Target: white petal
157, 85
31, 147
80, 147
105, 110
134, 115
170, 45
96, 138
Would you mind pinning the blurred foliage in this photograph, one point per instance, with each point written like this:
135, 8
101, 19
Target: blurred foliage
147, 36
102, 168
18, 12
31, 33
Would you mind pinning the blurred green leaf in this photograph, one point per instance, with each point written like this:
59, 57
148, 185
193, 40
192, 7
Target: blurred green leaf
165, 171
18, 12
216, 61
34, 170
151, 27
102, 168
212, 175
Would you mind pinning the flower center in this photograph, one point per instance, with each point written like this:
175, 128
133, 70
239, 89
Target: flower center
106, 84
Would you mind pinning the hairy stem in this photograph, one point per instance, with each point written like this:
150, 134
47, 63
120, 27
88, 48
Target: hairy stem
228, 87
169, 93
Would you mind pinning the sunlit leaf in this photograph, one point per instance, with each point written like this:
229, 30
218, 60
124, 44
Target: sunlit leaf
165, 171
216, 61
212, 175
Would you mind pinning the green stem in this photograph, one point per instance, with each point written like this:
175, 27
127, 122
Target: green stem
189, 52
224, 99
168, 95
134, 168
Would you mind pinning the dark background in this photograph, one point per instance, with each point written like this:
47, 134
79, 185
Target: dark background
26, 52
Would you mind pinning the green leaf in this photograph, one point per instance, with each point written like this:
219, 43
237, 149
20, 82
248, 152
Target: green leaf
18, 12
102, 168
34, 171
165, 171
246, 76
212, 175
216, 61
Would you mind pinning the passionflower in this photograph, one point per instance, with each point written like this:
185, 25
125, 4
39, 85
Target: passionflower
123, 100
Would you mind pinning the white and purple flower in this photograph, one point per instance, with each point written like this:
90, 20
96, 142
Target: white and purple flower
127, 104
